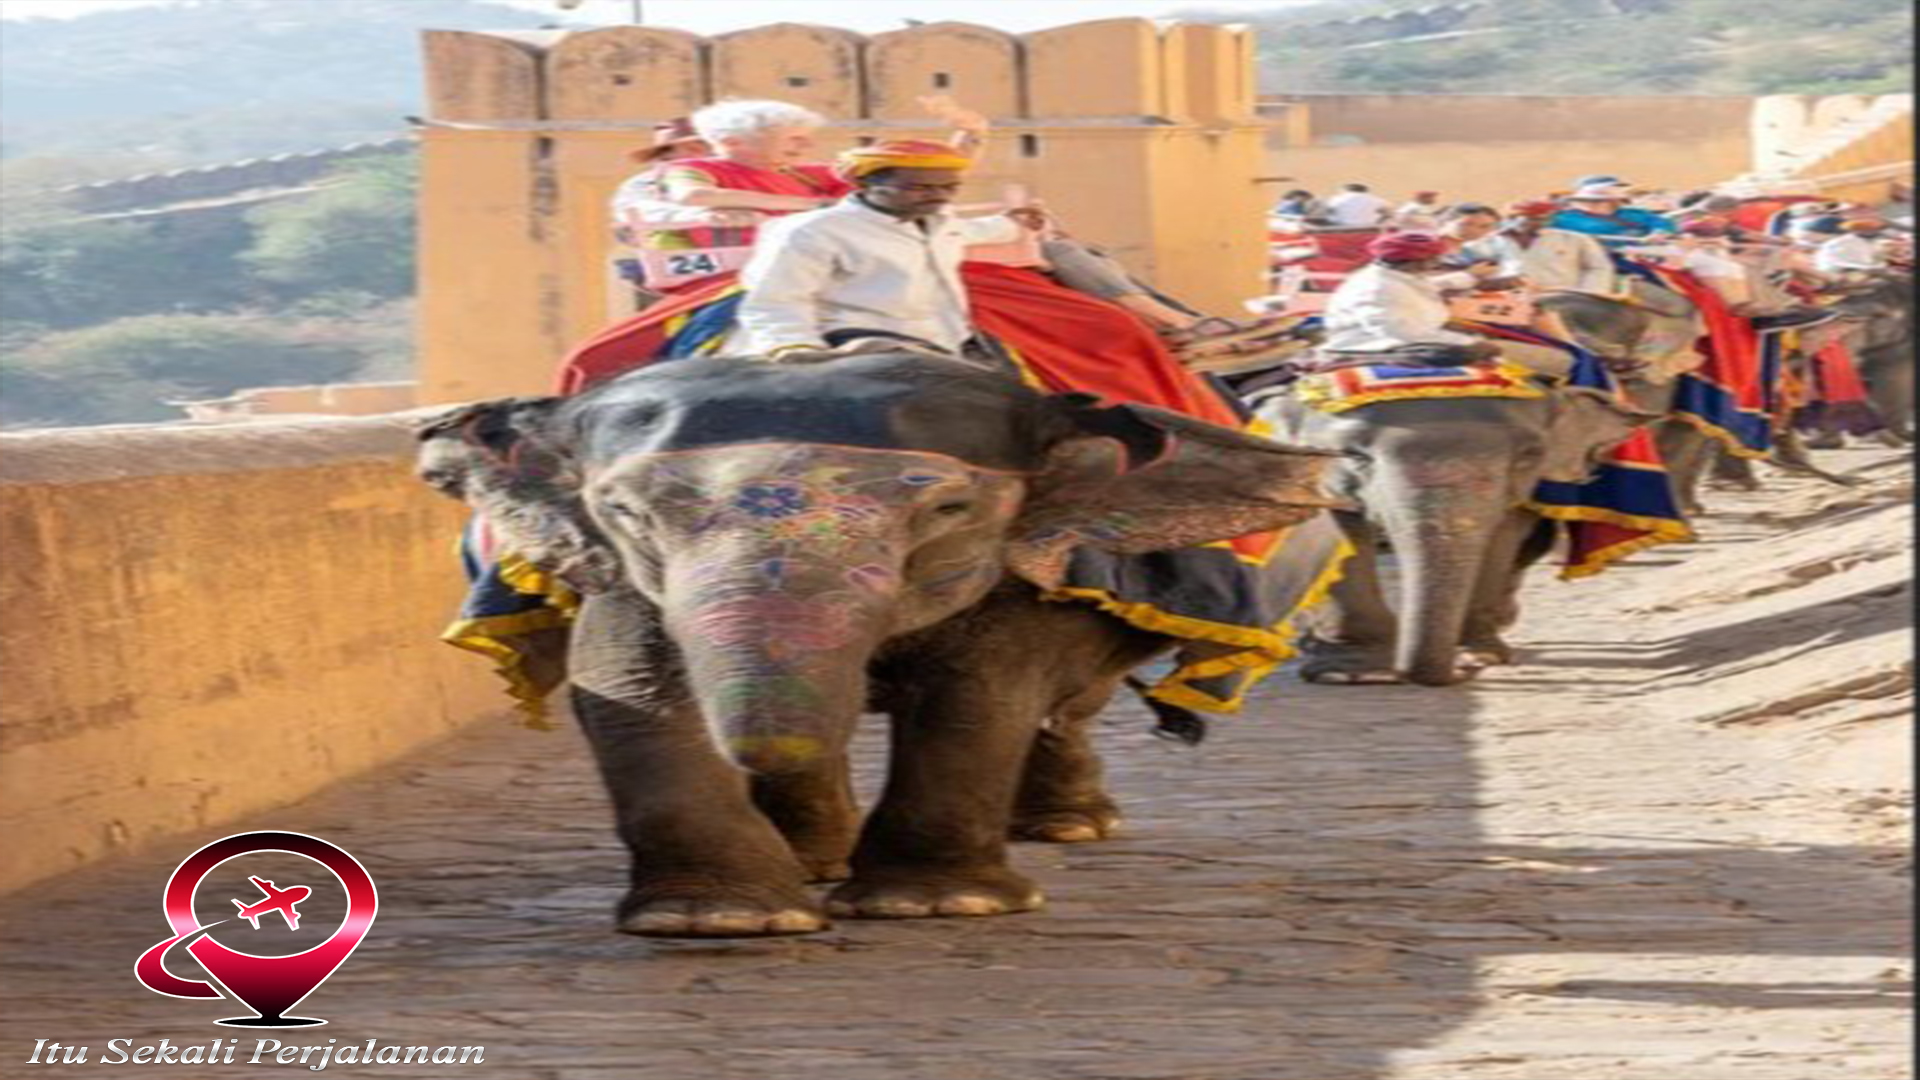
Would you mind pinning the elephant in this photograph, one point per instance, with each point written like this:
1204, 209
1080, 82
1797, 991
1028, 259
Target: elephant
767, 550
1881, 315
1446, 480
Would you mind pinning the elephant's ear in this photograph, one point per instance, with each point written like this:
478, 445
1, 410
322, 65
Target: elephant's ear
1129, 478
506, 460
1586, 424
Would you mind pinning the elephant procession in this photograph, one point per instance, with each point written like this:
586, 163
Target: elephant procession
1286, 540
866, 449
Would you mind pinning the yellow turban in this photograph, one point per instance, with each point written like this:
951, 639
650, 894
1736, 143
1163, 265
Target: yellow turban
900, 154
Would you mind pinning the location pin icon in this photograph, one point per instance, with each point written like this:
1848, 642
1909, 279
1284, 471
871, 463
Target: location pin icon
270, 985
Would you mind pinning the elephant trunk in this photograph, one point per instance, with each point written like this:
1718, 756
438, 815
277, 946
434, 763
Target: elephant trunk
777, 664
1440, 533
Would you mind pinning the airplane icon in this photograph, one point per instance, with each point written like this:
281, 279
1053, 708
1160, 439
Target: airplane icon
276, 899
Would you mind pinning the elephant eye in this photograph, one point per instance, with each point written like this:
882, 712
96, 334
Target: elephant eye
623, 511
951, 509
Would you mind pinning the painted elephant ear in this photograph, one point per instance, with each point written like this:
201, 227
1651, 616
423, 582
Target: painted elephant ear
1585, 424
1130, 478
503, 459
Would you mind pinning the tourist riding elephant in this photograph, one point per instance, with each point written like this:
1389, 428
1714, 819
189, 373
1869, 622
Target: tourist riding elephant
768, 550
1447, 480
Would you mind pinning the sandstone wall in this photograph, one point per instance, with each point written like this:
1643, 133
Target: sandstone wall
202, 623
1141, 134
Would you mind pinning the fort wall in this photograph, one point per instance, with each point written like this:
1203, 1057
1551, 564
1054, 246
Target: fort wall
1141, 134
203, 623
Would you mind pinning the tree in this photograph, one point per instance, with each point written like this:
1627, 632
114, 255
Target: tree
354, 234
127, 370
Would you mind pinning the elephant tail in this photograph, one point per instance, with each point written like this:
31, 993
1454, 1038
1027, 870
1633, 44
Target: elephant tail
1171, 721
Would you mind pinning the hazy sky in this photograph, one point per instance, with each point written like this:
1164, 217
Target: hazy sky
713, 16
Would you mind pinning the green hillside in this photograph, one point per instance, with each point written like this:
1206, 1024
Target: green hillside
1597, 47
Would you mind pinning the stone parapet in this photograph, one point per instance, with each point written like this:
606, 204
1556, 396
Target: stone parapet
206, 622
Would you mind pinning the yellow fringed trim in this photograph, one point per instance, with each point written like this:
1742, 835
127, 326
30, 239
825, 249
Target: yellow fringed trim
1261, 650
1659, 531
483, 636
1728, 440
1316, 391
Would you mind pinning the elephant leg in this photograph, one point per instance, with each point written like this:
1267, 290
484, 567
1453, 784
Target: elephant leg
1062, 797
1735, 472
1790, 453
816, 812
1523, 539
706, 862
965, 714
1887, 372
1350, 638
1684, 450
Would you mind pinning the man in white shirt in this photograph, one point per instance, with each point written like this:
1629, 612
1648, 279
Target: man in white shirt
1856, 252
1421, 214
1550, 259
883, 262
1394, 305
1357, 208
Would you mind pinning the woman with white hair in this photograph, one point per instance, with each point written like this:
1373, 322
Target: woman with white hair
762, 160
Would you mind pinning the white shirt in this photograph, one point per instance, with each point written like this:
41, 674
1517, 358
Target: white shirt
1557, 259
1849, 253
1377, 309
1417, 217
1357, 209
1720, 271
850, 266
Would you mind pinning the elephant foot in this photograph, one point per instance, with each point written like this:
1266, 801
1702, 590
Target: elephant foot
1824, 440
1066, 825
1333, 663
706, 910
1731, 483
924, 893
1460, 673
1482, 654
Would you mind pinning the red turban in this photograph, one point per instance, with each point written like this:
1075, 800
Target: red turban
1407, 247
899, 154
1533, 208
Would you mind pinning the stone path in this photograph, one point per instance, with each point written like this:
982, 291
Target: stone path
1523, 880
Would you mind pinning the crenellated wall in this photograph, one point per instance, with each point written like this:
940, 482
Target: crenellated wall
1141, 135
205, 622
1849, 146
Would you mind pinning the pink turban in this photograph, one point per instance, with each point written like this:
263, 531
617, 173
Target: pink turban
1407, 247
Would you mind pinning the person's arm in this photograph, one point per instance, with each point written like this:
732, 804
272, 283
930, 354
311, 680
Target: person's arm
969, 128
994, 229
691, 187
784, 280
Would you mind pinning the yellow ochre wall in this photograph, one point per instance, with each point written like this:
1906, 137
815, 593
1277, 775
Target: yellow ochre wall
205, 622
1141, 135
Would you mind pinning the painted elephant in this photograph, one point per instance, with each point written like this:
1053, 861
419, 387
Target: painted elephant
1446, 481
768, 550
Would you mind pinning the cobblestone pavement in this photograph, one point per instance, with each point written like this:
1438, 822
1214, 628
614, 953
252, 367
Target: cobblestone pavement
1522, 880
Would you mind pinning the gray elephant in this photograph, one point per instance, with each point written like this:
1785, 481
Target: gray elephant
1446, 481
768, 550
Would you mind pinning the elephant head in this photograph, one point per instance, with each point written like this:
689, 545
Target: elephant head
786, 520
1440, 477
